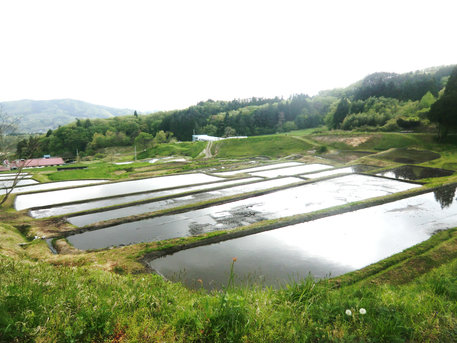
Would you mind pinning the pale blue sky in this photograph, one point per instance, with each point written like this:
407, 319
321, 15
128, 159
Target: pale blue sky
163, 55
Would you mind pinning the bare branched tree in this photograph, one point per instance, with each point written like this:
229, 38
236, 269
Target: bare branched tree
9, 125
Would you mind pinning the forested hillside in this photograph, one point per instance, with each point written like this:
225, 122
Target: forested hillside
379, 102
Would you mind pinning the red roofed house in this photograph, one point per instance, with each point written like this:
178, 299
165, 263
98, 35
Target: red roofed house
38, 162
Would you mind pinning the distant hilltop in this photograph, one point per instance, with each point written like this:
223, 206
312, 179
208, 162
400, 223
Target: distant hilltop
41, 115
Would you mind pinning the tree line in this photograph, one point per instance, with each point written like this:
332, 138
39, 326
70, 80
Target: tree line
381, 101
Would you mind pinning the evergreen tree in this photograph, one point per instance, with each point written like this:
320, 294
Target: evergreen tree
341, 112
444, 110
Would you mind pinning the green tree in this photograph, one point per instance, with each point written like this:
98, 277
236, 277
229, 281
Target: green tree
87, 123
160, 137
143, 140
135, 114
229, 132
210, 130
341, 112
289, 126
444, 110
427, 100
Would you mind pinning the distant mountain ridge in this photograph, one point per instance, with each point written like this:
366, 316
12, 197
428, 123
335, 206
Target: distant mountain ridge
41, 115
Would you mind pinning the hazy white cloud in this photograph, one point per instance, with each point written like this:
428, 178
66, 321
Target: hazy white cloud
148, 55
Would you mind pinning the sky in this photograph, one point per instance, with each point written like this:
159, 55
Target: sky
163, 55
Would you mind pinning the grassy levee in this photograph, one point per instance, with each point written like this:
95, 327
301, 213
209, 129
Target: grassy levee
108, 296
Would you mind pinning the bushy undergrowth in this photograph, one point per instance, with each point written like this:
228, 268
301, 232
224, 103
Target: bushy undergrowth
39, 302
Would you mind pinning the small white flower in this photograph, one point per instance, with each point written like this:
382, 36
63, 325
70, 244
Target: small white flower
348, 312
362, 311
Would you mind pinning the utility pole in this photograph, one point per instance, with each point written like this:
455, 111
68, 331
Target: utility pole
135, 153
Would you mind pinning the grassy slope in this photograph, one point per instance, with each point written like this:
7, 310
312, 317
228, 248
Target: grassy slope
91, 297
273, 146
191, 149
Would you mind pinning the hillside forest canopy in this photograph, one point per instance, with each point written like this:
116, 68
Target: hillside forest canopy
386, 102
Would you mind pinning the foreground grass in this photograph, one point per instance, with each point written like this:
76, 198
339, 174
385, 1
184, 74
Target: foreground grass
39, 302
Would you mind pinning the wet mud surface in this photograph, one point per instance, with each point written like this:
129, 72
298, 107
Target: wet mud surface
345, 156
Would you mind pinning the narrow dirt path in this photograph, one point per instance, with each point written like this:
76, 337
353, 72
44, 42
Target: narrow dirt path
208, 150
309, 141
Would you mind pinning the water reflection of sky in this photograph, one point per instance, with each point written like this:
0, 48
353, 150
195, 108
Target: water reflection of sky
302, 199
9, 183
184, 200
13, 176
111, 189
291, 170
335, 245
329, 172
51, 185
88, 205
269, 166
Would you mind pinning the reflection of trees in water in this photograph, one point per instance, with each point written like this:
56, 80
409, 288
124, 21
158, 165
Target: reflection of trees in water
405, 172
360, 168
445, 196
417, 173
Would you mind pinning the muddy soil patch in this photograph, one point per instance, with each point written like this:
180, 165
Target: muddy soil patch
345, 156
351, 141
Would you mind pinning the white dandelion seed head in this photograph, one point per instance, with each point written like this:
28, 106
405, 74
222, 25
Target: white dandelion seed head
348, 312
363, 311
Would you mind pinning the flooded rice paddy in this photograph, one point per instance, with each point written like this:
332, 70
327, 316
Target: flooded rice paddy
179, 201
409, 156
13, 176
254, 169
50, 186
9, 183
96, 204
415, 173
110, 189
301, 199
329, 246
306, 168
346, 170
